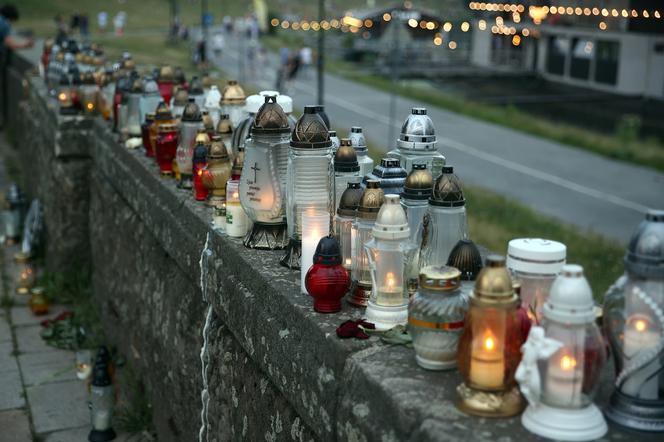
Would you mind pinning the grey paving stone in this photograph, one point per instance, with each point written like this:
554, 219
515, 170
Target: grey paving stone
5, 331
11, 391
29, 340
48, 367
7, 360
81, 435
58, 406
14, 426
23, 315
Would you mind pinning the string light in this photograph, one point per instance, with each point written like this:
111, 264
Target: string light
447, 27
465, 26
452, 45
563, 10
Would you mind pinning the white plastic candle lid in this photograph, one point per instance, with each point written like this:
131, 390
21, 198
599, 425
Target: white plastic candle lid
253, 103
536, 255
570, 298
286, 103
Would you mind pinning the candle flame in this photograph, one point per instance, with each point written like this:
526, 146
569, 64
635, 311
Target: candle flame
348, 261
236, 195
567, 362
200, 172
62, 96
90, 106
390, 280
640, 325
489, 343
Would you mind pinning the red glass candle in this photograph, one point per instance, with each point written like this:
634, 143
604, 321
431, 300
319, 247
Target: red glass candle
145, 135
166, 90
165, 146
327, 281
199, 164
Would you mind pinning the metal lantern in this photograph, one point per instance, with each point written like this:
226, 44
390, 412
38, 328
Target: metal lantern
327, 280
150, 98
165, 82
233, 102
179, 100
391, 257
563, 362
445, 222
38, 302
367, 210
191, 123
101, 404
417, 143
225, 130
310, 178
490, 346
344, 222
65, 94
334, 139
88, 92
415, 199
436, 317
466, 257
198, 166
359, 143
535, 263
196, 92
263, 181
346, 169
15, 207
390, 175
212, 104
132, 126
208, 124
634, 326
320, 110
215, 178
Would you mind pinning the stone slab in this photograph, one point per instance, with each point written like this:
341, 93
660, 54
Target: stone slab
58, 406
15, 426
5, 331
29, 340
7, 359
11, 391
48, 367
81, 435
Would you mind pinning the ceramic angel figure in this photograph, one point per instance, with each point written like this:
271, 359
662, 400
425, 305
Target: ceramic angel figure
527, 375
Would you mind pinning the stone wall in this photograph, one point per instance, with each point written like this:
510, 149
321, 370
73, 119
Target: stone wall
277, 371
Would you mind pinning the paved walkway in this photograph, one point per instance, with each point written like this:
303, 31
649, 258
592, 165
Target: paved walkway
583, 189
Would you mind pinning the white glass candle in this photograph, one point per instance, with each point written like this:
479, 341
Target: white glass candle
315, 225
237, 223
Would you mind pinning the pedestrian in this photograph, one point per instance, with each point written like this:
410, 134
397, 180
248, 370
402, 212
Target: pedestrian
62, 32
83, 26
218, 46
9, 15
119, 22
294, 64
284, 54
201, 52
102, 21
306, 58
74, 22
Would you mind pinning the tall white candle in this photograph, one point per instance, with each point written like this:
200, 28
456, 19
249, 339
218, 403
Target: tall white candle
487, 364
564, 380
315, 225
639, 337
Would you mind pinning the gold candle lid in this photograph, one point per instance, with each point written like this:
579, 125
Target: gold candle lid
21, 257
440, 278
494, 285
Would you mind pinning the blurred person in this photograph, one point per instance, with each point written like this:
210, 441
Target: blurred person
9, 15
201, 51
293, 68
74, 22
306, 59
218, 45
119, 22
228, 24
102, 21
61, 29
284, 55
83, 25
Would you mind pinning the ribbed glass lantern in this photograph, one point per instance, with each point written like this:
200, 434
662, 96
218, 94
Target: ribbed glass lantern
436, 317
562, 364
359, 143
346, 169
191, 123
535, 263
415, 199
370, 203
263, 181
417, 143
310, 178
233, 101
445, 222
490, 346
634, 326
133, 124
344, 222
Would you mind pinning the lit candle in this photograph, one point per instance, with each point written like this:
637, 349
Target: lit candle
487, 365
237, 222
391, 293
315, 225
639, 337
564, 380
